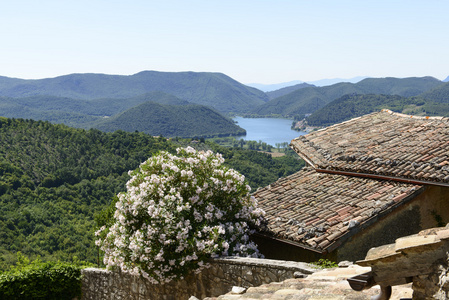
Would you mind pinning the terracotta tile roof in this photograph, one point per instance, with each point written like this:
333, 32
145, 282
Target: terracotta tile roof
382, 144
318, 211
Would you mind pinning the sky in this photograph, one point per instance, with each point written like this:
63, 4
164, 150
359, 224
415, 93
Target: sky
252, 41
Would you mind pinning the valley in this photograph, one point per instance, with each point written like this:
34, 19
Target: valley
67, 143
190, 104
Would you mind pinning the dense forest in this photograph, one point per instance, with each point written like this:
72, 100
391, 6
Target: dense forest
438, 94
34, 106
155, 113
354, 105
172, 120
54, 180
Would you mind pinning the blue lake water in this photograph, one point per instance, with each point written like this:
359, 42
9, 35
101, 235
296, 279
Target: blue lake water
268, 130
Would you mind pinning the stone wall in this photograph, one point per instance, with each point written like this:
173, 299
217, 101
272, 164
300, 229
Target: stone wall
217, 280
434, 285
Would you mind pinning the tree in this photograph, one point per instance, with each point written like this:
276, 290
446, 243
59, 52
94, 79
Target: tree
242, 142
178, 212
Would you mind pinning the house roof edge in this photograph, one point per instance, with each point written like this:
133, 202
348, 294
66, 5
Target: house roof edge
382, 177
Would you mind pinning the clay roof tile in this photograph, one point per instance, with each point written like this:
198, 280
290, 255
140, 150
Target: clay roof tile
383, 144
343, 199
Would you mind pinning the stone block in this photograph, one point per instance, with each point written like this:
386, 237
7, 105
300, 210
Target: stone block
238, 290
443, 234
345, 264
410, 242
377, 253
287, 292
299, 275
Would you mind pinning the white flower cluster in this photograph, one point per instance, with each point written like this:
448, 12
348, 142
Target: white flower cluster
178, 212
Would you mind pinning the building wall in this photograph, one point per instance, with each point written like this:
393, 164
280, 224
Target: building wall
429, 209
434, 204
217, 280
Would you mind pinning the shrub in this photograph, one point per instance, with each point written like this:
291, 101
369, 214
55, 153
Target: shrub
324, 264
178, 212
41, 280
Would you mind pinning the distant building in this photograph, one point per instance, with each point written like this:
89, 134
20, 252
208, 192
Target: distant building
371, 180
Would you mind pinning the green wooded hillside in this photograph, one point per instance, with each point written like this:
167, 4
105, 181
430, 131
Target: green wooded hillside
211, 89
54, 179
40, 106
351, 106
287, 90
439, 94
171, 121
309, 99
155, 113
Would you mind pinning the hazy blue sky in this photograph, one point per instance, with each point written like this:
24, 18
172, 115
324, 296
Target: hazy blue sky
252, 41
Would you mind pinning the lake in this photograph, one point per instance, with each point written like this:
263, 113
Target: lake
268, 130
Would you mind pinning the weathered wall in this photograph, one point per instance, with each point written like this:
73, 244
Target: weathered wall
403, 221
432, 286
217, 280
434, 207
418, 214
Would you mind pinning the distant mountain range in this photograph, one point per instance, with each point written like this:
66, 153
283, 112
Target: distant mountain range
309, 99
321, 82
432, 103
188, 104
273, 87
447, 79
212, 89
326, 82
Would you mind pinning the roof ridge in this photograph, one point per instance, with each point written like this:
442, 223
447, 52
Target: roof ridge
383, 143
385, 110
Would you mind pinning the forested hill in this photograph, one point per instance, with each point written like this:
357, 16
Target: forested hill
171, 121
51, 108
439, 94
352, 106
287, 90
308, 100
212, 89
155, 113
54, 179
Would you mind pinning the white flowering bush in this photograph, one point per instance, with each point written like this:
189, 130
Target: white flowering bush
178, 212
